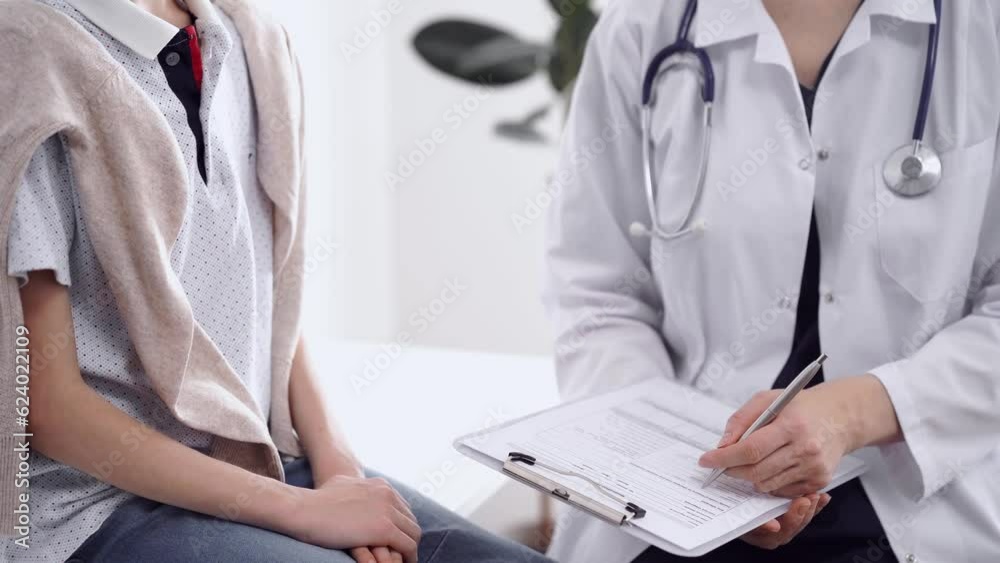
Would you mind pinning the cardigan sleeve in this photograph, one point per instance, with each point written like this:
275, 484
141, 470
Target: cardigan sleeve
43, 224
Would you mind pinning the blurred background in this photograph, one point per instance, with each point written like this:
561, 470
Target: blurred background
425, 241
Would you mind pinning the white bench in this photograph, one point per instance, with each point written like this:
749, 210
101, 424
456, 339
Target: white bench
402, 407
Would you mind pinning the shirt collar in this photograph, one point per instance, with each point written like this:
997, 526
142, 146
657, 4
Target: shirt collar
718, 21
136, 28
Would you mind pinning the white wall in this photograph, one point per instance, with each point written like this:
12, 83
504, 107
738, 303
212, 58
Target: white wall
454, 212
350, 291
370, 99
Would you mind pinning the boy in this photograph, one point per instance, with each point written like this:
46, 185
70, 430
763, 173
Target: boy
156, 239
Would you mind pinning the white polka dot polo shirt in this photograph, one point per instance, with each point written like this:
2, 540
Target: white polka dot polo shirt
223, 257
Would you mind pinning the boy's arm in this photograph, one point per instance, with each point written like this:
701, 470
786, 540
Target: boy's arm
76, 426
329, 452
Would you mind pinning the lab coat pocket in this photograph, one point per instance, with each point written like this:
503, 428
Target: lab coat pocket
927, 244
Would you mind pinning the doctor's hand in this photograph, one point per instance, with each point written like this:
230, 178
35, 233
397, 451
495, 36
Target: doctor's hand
798, 452
783, 529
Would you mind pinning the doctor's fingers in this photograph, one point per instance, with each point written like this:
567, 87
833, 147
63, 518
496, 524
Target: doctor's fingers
772, 466
803, 518
755, 449
809, 475
746, 415
791, 523
796, 489
800, 514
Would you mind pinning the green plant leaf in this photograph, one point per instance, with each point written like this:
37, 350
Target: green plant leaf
525, 129
479, 53
565, 8
570, 43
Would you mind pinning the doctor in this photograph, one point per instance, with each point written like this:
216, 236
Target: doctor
822, 176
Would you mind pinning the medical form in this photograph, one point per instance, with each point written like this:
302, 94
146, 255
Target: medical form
641, 445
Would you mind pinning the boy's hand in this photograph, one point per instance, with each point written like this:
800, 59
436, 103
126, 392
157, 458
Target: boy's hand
376, 555
348, 512
360, 554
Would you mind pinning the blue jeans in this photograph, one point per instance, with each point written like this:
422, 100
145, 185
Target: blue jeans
151, 532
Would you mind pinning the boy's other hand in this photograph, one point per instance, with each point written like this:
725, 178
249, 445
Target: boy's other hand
348, 512
376, 555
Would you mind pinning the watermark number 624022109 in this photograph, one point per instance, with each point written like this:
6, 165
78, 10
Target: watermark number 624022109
22, 406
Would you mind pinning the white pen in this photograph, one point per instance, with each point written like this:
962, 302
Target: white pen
771, 412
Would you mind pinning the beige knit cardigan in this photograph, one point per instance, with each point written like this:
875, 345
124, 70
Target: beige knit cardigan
132, 184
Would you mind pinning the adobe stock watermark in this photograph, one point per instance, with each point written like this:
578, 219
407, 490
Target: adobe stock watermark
21, 452
425, 147
420, 321
902, 10
739, 174
366, 34
438, 478
723, 363
710, 29
869, 215
580, 159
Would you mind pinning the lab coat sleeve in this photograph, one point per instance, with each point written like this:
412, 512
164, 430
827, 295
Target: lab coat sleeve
947, 394
599, 291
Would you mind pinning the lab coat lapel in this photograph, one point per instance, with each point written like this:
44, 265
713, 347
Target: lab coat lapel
720, 21
885, 16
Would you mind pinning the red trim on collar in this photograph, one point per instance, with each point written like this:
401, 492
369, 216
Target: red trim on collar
196, 62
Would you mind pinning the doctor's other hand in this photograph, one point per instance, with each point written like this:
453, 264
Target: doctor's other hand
798, 452
783, 529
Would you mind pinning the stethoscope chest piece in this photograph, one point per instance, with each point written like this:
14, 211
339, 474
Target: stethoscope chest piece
913, 170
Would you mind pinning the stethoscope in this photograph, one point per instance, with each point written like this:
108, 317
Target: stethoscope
912, 170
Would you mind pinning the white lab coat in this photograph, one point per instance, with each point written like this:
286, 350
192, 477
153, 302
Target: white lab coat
910, 288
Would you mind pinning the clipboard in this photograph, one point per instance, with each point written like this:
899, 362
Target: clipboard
517, 465
600, 501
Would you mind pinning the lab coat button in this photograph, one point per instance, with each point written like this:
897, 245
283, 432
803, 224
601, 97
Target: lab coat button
823, 154
828, 297
911, 558
805, 164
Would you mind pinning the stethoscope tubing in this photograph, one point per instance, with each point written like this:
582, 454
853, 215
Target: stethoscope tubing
925, 157
930, 69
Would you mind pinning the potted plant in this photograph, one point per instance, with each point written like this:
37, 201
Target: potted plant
481, 53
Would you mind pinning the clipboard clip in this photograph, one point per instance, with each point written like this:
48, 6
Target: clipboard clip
517, 466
